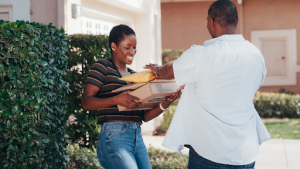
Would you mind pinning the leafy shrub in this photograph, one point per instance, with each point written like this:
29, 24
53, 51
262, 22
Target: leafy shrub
32, 95
167, 118
170, 55
160, 159
84, 50
282, 90
82, 158
278, 105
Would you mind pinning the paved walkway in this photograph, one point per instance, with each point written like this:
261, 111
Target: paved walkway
273, 154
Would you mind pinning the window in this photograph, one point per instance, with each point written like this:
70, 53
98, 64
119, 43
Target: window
93, 26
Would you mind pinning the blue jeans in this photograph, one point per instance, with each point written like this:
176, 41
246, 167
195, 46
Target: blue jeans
120, 146
198, 162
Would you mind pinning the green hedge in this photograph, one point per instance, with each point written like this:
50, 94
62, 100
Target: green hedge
82, 158
167, 119
83, 51
160, 159
277, 105
169, 55
32, 95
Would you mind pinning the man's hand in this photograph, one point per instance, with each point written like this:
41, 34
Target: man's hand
165, 71
128, 101
151, 67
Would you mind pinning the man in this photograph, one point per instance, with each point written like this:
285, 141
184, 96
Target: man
216, 117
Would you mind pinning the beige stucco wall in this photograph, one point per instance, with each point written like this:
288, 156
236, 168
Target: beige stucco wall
44, 11
184, 24
261, 15
258, 15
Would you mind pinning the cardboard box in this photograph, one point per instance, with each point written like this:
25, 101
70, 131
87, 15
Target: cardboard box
151, 93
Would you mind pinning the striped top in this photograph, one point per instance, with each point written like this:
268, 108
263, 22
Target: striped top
105, 75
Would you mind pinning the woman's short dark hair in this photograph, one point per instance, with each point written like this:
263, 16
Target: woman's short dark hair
224, 12
117, 33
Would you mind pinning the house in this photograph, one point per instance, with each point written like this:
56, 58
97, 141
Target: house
97, 17
272, 25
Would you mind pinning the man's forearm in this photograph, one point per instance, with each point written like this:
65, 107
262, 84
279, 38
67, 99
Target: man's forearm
166, 71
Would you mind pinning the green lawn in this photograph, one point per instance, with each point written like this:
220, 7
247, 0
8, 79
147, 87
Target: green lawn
283, 128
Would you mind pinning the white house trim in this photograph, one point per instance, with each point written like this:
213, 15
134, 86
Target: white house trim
134, 6
106, 16
18, 9
8, 9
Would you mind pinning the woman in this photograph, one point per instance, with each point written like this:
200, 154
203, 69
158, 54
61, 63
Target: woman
120, 143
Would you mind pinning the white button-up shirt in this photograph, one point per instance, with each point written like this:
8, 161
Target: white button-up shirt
215, 114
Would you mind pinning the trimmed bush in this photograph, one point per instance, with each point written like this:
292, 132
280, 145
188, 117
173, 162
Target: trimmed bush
167, 119
160, 159
32, 95
84, 50
82, 158
169, 55
277, 105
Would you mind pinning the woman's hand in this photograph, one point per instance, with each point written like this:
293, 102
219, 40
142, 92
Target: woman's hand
128, 101
151, 114
170, 99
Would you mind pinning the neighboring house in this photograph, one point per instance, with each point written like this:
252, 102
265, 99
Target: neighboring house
272, 25
97, 17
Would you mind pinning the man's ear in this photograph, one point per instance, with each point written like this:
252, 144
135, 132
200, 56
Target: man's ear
113, 46
212, 22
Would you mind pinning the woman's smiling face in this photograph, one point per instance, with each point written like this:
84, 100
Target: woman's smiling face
125, 50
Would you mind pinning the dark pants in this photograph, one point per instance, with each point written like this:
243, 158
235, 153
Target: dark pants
198, 162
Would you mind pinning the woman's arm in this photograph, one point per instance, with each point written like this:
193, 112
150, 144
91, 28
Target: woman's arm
151, 114
90, 102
